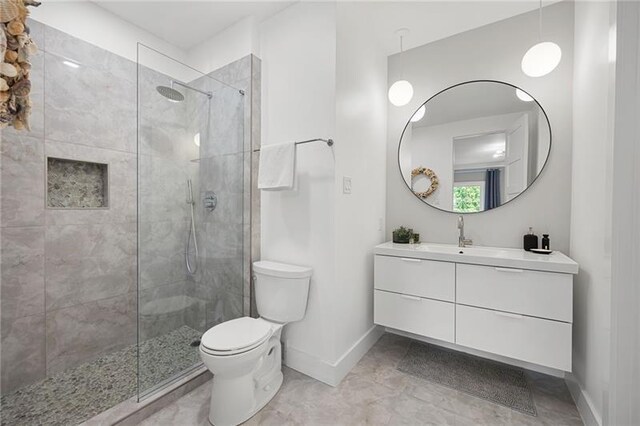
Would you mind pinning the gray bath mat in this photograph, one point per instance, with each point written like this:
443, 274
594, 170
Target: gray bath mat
499, 383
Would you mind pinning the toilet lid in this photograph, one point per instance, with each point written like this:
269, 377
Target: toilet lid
237, 334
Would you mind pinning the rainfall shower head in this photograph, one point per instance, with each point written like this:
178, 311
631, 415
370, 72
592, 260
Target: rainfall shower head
174, 96
170, 93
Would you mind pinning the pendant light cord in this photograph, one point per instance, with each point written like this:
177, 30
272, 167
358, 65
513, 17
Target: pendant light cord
540, 22
401, 59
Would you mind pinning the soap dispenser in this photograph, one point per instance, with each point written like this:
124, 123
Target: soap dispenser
530, 240
545, 241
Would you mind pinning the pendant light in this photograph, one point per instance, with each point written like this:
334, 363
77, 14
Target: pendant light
543, 57
401, 92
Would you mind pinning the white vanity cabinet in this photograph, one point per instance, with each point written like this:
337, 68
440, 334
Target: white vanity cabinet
505, 302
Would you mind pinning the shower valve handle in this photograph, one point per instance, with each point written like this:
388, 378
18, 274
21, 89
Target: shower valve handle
210, 201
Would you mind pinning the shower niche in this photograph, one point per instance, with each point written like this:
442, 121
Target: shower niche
74, 184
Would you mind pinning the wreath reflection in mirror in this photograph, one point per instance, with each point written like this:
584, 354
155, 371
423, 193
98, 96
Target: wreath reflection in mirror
431, 175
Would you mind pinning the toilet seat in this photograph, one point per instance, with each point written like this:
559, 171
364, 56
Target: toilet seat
236, 336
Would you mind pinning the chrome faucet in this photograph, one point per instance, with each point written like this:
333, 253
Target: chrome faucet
462, 241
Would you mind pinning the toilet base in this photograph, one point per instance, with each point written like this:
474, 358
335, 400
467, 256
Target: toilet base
235, 400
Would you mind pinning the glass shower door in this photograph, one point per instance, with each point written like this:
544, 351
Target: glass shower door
190, 213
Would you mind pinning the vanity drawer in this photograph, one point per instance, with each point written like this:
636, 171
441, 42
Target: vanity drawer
533, 340
539, 294
425, 317
417, 277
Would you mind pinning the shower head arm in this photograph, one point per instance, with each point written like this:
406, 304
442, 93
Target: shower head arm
207, 94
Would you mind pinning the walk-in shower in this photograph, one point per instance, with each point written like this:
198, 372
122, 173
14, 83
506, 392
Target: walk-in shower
102, 304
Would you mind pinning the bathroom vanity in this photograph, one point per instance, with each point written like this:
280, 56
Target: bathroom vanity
500, 301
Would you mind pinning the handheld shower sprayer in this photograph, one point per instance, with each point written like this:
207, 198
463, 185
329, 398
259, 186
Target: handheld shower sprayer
192, 268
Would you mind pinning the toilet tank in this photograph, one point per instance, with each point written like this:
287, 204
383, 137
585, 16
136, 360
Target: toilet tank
281, 290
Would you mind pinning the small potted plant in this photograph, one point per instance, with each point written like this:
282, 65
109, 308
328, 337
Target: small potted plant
402, 235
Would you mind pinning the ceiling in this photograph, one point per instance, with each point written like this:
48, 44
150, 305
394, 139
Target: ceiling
186, 24
430, 20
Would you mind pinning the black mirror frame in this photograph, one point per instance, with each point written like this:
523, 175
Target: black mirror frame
546, 161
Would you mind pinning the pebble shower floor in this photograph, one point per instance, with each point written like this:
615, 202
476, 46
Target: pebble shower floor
80, 393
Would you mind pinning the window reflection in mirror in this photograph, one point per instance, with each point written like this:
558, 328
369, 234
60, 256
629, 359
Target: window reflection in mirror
486, 141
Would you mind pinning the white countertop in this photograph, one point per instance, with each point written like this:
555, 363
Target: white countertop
477, 255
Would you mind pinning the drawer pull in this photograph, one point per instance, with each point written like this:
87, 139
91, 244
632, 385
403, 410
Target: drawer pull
509, 270
406, 259
508, 315
405, 296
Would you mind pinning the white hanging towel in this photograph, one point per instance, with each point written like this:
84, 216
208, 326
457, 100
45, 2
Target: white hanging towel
277, 166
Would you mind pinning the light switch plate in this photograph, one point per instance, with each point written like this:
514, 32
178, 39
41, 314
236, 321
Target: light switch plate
346, 185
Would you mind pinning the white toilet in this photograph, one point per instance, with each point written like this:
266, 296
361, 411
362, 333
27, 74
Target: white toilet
244, 354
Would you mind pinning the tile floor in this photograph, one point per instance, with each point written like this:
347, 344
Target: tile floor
80, 393
375, 393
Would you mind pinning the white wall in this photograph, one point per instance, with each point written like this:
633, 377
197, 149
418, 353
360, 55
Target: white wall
492, 52
298, 48
235, 42
97, 26
624, 408
590, 243
91, 23
361, 109
323, 77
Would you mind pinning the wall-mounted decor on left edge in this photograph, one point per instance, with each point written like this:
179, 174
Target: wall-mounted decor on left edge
16, 46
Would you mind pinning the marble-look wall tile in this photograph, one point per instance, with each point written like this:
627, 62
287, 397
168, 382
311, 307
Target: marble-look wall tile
121, 185
161, 251
163, 309
36, 31
220, 275
256, 101
22, 351
89, 262
80, 333
227, 122
252, 186
22, 183
236, 73
224, 307
89, 55
22, 285
162, 191
167, 128
79, 101
222, 242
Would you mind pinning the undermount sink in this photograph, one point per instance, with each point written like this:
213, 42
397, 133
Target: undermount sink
478, 255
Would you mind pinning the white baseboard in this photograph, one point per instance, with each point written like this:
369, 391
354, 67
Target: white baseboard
590, 416
327, 372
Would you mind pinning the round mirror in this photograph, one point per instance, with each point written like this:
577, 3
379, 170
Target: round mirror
474, 146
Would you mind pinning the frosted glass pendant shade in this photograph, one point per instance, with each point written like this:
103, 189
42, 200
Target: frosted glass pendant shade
541, 59
419, 114
400, 93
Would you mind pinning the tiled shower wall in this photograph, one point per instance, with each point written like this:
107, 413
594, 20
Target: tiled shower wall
165, 150
69, 276
225, 167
